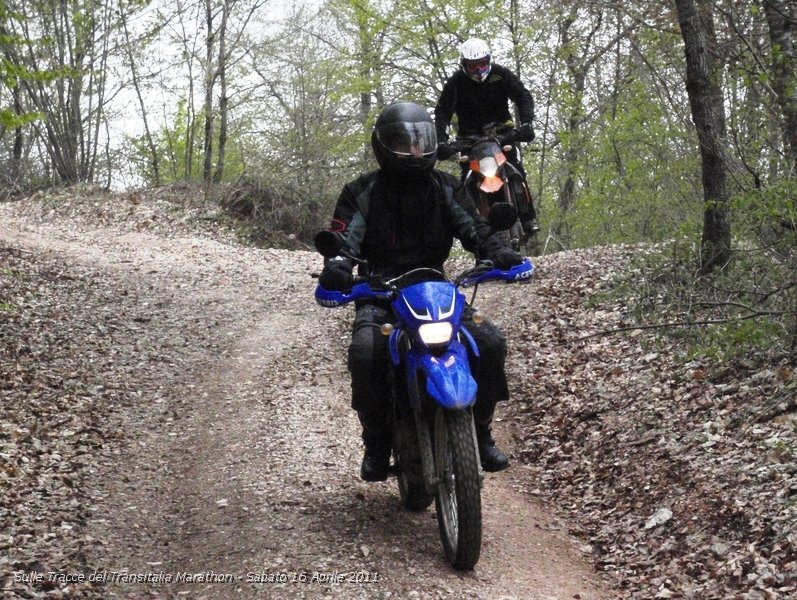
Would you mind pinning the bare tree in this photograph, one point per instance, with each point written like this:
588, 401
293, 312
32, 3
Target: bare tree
137, 86
223, 99
782, 21
19, 137
189, 39
224, 47
71, 41
209, 82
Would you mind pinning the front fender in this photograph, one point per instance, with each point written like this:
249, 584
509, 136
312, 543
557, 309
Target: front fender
448, 378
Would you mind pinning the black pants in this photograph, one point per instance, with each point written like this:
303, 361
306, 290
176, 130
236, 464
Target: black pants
369, 363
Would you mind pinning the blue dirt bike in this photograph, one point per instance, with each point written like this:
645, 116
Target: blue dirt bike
435, 453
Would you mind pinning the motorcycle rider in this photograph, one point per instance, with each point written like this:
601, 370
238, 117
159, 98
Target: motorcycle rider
401, 216
479, 93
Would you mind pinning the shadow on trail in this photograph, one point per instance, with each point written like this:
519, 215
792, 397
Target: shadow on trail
372, 524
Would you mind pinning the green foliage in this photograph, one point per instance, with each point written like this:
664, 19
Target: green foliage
735, 339
11, 73
769, 213
10, 119
171, 144
747, 307
634, 181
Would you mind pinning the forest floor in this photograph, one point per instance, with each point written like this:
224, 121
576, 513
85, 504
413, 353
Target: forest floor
175, 423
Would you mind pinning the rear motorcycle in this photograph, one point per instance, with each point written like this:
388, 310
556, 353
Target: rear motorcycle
491, 178
435, 453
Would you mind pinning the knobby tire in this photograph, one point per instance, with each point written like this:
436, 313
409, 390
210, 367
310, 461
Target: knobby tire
458, 498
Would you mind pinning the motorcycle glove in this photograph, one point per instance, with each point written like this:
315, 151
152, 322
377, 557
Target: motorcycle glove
506, 258
525, 133
337, 274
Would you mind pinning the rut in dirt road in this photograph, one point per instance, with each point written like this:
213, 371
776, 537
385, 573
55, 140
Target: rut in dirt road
235, 475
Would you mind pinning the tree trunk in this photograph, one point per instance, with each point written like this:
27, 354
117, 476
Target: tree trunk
137, 86
210, 79
782, 21
19, 139
572, 151
222, 71
517, 45
703, 73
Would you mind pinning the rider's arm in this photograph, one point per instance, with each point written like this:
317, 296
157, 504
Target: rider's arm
473, 230
521, 96
345, 207
348, 219
444, 110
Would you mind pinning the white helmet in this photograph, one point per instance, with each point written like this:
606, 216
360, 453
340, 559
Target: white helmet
475, 59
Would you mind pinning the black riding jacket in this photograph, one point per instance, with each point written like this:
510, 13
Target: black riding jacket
477, 103
398, 225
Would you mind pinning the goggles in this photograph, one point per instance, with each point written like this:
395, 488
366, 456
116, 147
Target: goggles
474, 66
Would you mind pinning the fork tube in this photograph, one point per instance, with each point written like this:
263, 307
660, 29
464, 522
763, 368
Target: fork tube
424, 439
427, 455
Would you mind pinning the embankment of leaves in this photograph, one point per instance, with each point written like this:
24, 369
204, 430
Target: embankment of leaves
52, 417
249, 211
273, 216
78, 356
680, 475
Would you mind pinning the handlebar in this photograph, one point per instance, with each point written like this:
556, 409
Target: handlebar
464, 144
378, 287
394, 284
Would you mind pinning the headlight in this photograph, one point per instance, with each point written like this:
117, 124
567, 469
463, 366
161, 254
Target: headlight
488, 166
435, 333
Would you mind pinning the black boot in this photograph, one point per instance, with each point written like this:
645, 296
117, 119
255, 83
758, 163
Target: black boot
493, 460
376, 438
530, 226
528, 222
526, 212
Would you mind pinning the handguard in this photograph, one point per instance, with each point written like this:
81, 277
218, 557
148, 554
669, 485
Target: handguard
331, 298
520, 273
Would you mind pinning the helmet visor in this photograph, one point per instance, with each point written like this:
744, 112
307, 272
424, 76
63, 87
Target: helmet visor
408, 139
476, 66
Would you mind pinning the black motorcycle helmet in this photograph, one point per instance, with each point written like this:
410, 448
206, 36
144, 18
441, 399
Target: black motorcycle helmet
404, 140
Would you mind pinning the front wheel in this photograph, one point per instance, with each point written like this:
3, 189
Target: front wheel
458, 499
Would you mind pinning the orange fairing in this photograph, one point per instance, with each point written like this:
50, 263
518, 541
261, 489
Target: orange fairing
491, 184
489, 166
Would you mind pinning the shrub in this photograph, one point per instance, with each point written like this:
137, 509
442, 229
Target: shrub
275, 214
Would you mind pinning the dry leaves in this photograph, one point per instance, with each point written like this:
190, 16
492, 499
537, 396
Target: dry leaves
681, 476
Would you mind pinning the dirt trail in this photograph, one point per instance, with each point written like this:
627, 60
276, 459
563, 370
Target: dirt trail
238, 462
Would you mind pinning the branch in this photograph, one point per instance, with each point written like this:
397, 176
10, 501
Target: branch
666, 325
739, 305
